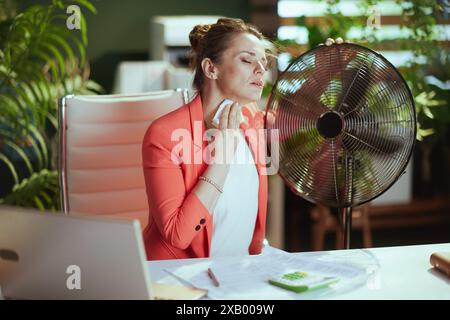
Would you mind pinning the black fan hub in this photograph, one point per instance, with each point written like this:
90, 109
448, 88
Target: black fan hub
330, 124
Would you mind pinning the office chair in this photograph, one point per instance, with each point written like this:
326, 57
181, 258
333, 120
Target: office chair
100, 163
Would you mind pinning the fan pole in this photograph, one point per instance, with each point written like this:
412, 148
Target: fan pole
346, 218
346, 214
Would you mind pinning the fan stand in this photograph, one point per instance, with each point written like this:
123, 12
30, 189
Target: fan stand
344, 216
346, 222
330, 125
346, 212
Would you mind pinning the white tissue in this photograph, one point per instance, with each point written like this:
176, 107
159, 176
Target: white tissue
216, 119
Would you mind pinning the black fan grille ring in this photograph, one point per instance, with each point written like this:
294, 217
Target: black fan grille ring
339, 103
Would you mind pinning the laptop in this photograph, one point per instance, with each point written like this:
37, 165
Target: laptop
47, 255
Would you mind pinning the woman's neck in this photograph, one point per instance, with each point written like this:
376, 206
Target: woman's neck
211, 100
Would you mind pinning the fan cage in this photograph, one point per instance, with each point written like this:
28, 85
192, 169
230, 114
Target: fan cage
375, 106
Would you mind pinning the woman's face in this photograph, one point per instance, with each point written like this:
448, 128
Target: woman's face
241, 69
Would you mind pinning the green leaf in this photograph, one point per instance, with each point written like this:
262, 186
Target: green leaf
81, 50
38, 203
46, 198
39, 138
48, 60
88, 5
37, 151
56, 54
53, 120
77, 83
42, 184
93, 86
22, 154
21, 102
83, 29
422, 133
10, 166
45, 89
427, 112
39, 95
63, 43
26, 102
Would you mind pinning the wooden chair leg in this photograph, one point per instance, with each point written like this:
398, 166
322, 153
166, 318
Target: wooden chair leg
339, 235
366, 229
319, 228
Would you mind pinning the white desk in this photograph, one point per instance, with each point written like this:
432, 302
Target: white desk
404, 273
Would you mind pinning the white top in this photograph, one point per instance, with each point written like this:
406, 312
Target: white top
234, 216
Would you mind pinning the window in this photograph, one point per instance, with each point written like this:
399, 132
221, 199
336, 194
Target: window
383, 23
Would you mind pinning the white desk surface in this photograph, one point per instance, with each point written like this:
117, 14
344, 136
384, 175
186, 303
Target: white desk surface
404, 273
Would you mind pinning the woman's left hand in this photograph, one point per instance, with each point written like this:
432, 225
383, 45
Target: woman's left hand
331, 41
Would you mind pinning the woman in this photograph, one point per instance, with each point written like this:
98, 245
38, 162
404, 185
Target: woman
210, 208
200, 206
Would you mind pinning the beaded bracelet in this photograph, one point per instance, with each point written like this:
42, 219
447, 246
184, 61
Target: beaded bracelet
211, 182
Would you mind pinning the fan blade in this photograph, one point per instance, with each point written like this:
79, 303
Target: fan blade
373, 140
355, 83
290, 118
323, 171
308, 96
319, 170
330, 63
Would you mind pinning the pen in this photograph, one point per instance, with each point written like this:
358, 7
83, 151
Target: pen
213, 277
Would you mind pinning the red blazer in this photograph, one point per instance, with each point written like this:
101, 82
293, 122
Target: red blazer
179, 224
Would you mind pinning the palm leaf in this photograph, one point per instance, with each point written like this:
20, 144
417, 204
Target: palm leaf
83, 29
55, 38
10, 166
57, 55
8, 136
29, 192
87, 4
21, 154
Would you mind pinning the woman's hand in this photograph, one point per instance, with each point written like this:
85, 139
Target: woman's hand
334, 60
229, 119
330, 41
227, 139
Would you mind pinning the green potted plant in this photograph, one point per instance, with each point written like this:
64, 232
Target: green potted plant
41, 59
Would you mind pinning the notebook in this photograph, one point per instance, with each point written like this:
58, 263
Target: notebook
176, 292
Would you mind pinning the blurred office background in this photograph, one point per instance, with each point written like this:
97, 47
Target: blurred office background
140, 46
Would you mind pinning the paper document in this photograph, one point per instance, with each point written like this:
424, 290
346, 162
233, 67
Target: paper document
246, 277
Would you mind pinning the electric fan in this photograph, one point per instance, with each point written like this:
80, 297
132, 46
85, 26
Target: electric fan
346, 126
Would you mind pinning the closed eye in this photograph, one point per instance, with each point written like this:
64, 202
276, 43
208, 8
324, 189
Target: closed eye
264, 65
